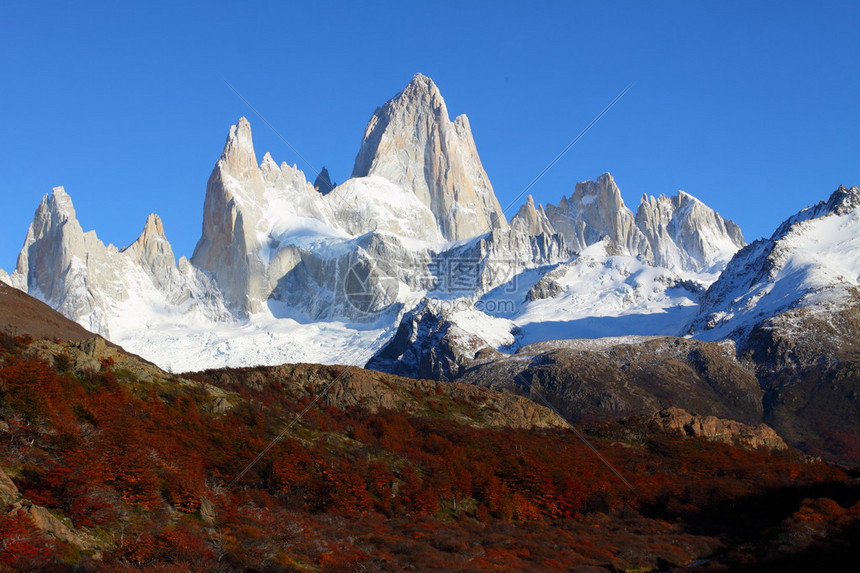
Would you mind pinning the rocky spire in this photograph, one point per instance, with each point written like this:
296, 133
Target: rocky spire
58, 260
153, 252
412, 142
238, 158
231, 211
532, 220
323, 182
54, 240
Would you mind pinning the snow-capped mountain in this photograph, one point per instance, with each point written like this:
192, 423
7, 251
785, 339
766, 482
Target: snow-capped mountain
679, 232
101, 287
811, 261
685, 233
285, 271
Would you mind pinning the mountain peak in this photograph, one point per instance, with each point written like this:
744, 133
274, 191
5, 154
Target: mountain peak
532, 220
412, 142
596, 210
152, 250
422, 94
153, 228
238, 157
844, 200
323, 182
674, 232
841, 202
421, 84
59, 203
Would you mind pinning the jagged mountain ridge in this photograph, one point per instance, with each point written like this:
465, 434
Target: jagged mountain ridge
273, 276
783, 316
678, 232
94, 284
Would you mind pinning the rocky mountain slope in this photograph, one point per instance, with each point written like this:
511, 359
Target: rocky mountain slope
811, 261
792, 302
612, 378
25, 315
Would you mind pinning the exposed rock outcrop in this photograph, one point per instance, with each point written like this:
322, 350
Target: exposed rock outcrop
41, 517
47, 523
611, 378
716, 429
430, 343
8, 492
348, 387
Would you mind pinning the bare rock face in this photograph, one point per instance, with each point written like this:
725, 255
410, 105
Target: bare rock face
717, 429
412, 142
613, 378
684, 232
231, 212
152, 251
8, 492
596, 210
90, 283
532, 220
208, 512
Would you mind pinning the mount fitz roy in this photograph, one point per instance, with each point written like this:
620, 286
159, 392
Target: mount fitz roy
286, 272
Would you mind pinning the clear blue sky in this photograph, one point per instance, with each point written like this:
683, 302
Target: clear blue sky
752, 108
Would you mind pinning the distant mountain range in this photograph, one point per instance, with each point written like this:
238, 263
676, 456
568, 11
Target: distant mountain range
286, 272
412, 267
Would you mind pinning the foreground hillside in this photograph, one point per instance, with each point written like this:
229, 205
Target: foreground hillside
108, 463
